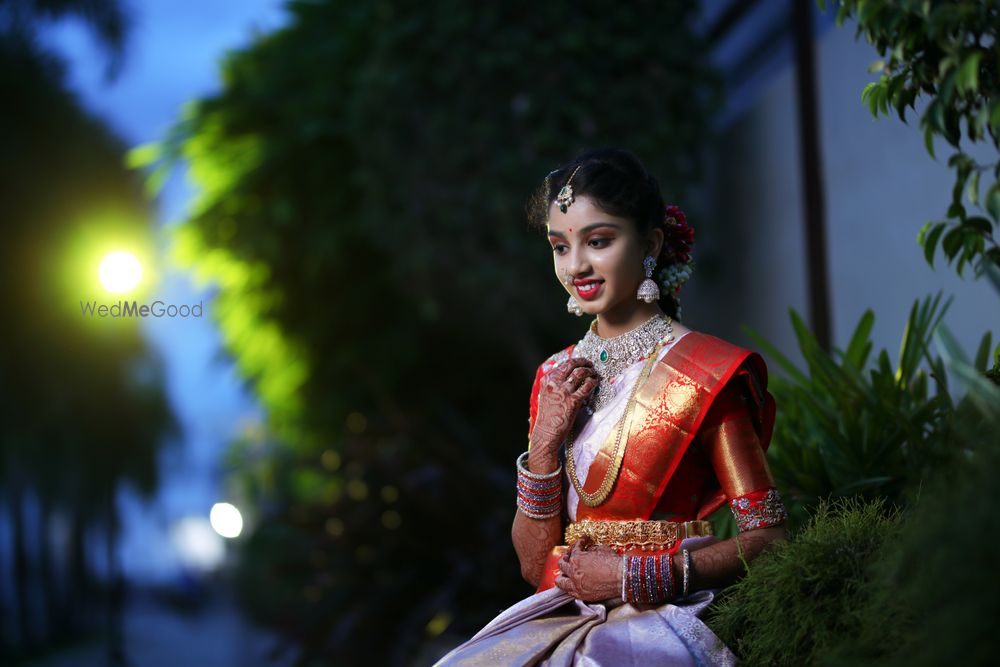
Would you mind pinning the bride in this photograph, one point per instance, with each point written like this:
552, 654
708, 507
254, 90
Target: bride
636, 433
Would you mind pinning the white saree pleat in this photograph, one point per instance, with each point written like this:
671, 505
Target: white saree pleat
553, 629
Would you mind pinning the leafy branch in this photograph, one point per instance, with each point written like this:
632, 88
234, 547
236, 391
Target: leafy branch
946, 51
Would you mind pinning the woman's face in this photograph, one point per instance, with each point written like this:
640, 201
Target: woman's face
602, 255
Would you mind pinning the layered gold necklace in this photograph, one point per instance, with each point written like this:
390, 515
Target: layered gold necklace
611, 474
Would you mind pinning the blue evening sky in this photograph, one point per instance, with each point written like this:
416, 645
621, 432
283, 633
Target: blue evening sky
172, 56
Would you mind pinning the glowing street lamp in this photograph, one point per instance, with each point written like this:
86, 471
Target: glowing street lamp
120, 272
226, 520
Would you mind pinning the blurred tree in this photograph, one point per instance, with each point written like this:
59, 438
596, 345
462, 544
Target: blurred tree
81, 405
108, 19
362, 175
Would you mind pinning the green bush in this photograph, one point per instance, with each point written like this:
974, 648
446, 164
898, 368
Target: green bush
848, 426
935, 596
797, 601
868, 584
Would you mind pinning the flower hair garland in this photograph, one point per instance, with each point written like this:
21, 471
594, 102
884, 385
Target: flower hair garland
676, 254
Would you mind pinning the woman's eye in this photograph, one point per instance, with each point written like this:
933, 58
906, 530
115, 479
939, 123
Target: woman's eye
557, 249
603, 242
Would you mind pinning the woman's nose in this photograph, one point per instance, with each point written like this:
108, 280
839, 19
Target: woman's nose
577, 263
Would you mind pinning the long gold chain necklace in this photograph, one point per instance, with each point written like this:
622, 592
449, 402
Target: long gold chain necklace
611, 474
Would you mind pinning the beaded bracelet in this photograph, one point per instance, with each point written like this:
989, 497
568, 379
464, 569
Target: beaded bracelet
647, 579
538, 495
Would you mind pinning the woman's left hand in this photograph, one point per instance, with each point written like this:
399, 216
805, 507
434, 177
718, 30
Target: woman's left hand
590, 573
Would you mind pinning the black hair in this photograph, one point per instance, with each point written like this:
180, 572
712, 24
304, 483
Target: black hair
619, 184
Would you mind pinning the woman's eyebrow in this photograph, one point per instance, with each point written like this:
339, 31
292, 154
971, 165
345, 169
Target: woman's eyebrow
586, 229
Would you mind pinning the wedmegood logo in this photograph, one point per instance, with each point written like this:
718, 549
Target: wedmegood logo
135, 309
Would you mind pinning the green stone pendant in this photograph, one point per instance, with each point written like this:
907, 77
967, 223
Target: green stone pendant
603, 356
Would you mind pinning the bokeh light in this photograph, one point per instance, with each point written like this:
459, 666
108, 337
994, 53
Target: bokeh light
226, 520
198, 546
120, 272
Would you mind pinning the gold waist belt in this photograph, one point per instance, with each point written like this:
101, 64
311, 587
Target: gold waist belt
636, 534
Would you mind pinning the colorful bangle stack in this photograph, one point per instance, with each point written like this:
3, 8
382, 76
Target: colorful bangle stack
647, 579
539, 496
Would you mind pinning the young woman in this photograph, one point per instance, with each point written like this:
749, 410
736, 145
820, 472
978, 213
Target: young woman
636, 433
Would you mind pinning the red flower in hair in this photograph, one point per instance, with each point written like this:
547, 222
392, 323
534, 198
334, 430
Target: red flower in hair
679, 235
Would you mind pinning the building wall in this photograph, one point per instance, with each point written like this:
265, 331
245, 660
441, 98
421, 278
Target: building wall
880, 186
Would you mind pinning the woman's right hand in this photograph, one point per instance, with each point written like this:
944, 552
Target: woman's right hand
561, 394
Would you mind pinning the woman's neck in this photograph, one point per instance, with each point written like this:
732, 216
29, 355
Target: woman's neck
611, 323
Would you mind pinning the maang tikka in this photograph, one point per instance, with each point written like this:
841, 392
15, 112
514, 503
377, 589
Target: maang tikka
565, 197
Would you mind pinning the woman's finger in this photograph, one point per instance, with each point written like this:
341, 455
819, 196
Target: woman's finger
586, 387
568, 366
577, 378
565, 567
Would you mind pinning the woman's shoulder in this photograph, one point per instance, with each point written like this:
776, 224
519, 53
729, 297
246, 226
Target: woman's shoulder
712, 358
701, 343
555, 359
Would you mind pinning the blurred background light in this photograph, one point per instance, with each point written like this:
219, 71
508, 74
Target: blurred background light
120, 272
198, 546
226, 520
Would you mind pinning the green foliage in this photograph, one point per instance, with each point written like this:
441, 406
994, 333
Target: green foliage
937, 578
863, 585
847, 426
361, 177
946, 51
798, 599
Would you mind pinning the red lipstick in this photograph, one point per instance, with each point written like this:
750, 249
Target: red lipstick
588, 289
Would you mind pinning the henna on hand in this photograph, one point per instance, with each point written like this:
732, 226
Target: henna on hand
560, 396
590, 573
533, 540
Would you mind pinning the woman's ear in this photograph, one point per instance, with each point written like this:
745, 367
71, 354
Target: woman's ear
654, 242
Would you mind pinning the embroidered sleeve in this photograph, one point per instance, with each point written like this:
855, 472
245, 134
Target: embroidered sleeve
758, 509
533, 403
739, 462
